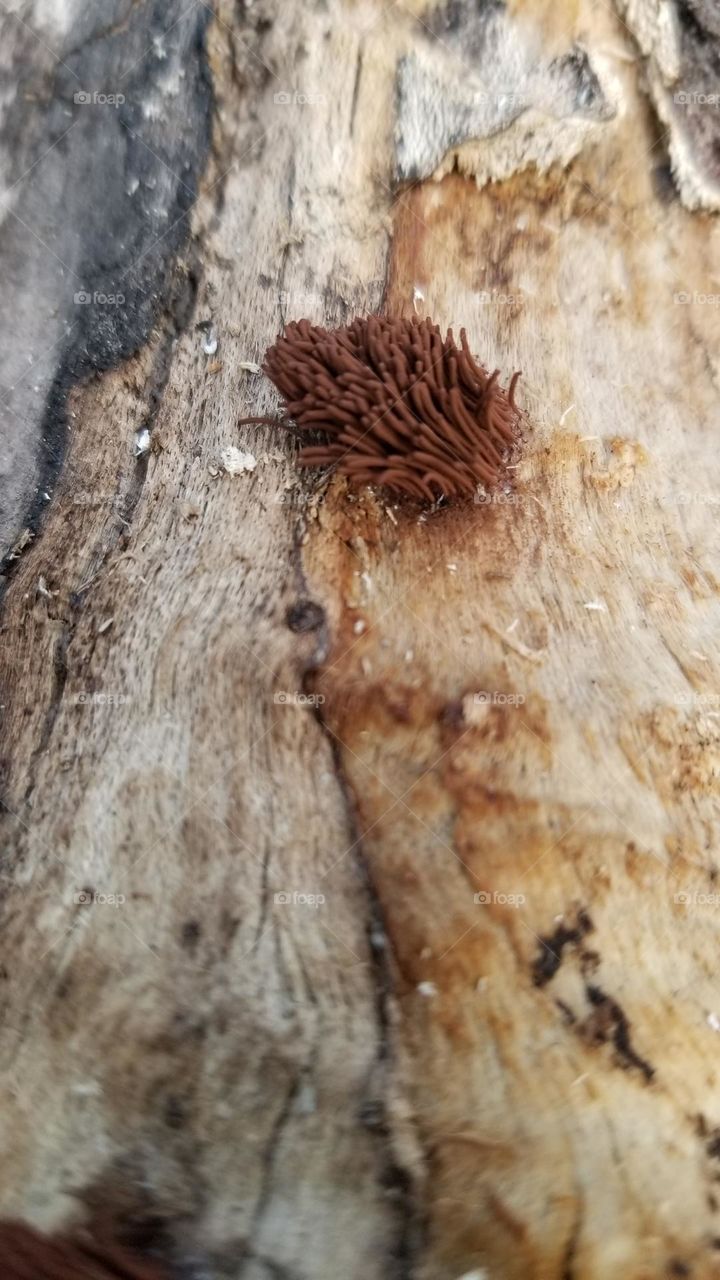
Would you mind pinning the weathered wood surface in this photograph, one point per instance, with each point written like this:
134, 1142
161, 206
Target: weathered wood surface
489, 1043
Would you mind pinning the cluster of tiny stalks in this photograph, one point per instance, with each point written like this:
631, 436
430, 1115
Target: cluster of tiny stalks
392, 402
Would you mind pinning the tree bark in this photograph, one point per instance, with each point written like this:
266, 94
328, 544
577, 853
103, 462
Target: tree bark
359, 861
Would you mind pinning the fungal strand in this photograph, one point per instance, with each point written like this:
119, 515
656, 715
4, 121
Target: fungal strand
392, 402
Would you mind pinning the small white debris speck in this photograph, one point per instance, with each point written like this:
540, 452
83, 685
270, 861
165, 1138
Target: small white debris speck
141, 442
427, 989
418, 296
713, 1021
532, 655
105, 625
452, 568
598, 605
90, 1089
409, 655
249, 366
564, 415
210, 343
306, 1100
235, 462
359, 626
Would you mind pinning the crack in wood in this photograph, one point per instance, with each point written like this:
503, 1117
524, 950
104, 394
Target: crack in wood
269, 1157
396, 1180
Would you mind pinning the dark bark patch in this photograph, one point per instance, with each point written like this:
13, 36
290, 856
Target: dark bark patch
552, 946
609, 1024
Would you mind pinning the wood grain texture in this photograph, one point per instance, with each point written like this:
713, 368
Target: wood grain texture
411, 972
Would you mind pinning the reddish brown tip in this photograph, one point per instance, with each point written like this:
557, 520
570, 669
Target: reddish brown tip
28, 1255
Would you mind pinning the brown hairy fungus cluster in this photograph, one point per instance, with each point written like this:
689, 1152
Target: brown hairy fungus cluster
392, 402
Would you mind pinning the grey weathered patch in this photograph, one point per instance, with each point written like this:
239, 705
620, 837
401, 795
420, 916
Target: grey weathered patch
101, 147
510, 107
681, 43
